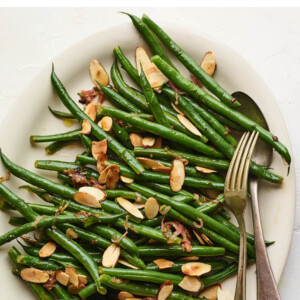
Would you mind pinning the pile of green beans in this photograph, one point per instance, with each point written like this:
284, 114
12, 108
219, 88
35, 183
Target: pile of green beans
190, 225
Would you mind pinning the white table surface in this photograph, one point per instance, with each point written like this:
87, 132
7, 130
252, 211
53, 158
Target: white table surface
268, 38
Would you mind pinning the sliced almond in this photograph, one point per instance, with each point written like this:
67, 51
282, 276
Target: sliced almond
91, 111
210, 293
62, 277
139, 205
47, 250
198, 237
195, 268
83, 279
86, 127
73, 276
71, 234
188, 125
148, 141
191, 284
162, 170
177, 109
126, 179
34, 275
124, 296
101, 161
128, 206
149, 163
112, 178
99, 147
72, 289
151, 208
127, 264
89, 196
98, 73
136, 139
207, 240
158, 142
205, 170
188, 258
165, 290
111, 255
106, 123
208, 63
163, 263
155, 77
177, 175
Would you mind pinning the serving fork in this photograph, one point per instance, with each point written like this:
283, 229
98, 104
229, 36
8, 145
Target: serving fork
235, 192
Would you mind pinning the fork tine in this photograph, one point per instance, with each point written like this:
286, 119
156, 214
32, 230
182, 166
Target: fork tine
245, 158
245, 176
229, 172
238, 162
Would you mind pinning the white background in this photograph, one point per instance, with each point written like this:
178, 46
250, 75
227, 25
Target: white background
268, 38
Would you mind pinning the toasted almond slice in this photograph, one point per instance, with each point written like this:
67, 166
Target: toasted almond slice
126, 179
72, 289
139, 205
198, 237
47, 250
163, 263
162, 170
205, 170
34, 275
148, 141
149, 163
71, 233
112, 178
91, 111
207, 240
101, 160
188, 258
106, 123
165, 290
128, 206
188, 125
136, 139
158, 142
127, 264
110, 256
191, 284
86, 127
62, 277
104, 175
151, 208
155, 77
89, 196
195, 268
142, 58
124, 296
210, 293
177, 109
73, 276
83, 279
98, 73
208, 63
177, 175
99, 147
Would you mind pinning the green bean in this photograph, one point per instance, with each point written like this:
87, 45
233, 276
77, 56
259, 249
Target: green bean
221, 108
220, 276
192, 65
122, 135
60, 114
36, 288
113, 144
142, 290
79, 253
176, 267
213, 205
152, 222
149, 38
126, 64
71, 135
38, 263
162, 131
62, 293
58, 145
86, 142
88, 291
17, 220
192, 213
141, 275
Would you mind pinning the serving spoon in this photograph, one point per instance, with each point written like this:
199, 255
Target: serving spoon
266, 285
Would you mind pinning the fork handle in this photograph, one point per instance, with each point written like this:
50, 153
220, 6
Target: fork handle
240, 290
266, 285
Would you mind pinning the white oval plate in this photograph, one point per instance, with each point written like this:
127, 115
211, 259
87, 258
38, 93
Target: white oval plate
30, 115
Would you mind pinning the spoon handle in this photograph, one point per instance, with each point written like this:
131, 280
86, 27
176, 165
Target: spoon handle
266, 285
